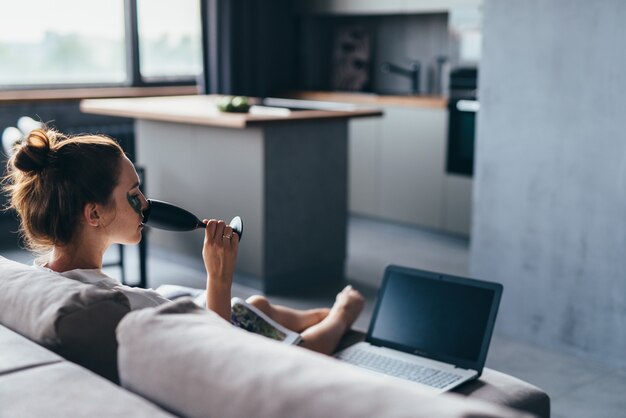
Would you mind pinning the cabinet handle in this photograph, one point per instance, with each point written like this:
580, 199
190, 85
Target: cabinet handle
467, 106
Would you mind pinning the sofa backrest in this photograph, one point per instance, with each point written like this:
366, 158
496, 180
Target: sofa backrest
203, 366
73, 319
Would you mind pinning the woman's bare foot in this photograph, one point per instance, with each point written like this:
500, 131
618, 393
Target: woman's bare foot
348, 306
325, 336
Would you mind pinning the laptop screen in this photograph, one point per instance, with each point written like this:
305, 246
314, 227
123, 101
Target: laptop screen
442, 317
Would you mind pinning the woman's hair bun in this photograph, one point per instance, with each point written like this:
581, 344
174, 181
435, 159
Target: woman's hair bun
34, 153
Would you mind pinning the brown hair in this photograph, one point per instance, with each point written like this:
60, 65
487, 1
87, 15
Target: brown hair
50, 177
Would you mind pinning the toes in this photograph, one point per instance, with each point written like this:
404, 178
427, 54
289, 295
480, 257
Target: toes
346, 290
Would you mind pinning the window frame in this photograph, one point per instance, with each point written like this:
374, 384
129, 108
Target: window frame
133, 65
132, 53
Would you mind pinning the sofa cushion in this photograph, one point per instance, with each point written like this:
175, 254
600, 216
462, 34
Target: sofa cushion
18, 353
195, 364
64, 389
74, 319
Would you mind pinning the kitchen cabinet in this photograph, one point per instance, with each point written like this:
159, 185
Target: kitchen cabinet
397, 170
397, 166
457, 204
412, 165
364, 148
382, 7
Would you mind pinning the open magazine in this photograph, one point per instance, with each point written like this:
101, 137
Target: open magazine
252, 319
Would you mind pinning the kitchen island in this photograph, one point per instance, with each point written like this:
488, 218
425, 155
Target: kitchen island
285, 173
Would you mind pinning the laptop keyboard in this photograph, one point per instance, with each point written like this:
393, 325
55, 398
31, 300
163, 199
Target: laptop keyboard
398, 368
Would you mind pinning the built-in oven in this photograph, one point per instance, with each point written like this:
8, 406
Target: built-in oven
462, 106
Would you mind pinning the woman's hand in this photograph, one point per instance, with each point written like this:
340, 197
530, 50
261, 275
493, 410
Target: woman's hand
219, 254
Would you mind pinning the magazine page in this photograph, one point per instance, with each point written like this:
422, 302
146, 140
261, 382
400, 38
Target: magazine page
252, 319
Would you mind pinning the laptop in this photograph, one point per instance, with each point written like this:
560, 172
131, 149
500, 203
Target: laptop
428, 328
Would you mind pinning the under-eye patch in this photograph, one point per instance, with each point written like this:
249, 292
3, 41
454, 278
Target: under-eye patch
135, 202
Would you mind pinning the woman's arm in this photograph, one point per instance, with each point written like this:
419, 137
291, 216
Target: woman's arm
219, 254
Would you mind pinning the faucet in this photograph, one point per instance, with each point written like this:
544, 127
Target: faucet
413, 73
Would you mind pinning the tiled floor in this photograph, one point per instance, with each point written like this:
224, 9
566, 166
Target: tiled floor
577, 387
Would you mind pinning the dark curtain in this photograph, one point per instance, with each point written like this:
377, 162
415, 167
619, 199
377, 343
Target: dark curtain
250, 46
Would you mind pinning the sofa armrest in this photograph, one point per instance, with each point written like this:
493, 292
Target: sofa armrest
503, 389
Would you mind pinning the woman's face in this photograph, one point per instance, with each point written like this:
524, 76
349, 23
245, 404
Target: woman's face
124, 222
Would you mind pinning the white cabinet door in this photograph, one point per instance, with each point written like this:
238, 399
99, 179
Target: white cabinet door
412, 165
397, 171
364, 166
458, 204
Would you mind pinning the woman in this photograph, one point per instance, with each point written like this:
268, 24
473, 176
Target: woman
75, 196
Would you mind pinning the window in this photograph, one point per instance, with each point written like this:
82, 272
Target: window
83, 42
170, 42
62, 42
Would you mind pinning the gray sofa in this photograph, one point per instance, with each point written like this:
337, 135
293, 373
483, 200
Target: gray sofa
60, 356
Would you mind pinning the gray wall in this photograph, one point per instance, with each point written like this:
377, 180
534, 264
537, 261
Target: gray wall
550, 183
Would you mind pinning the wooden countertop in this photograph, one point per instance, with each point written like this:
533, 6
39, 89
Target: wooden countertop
202, 110
436, 102
38, 95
